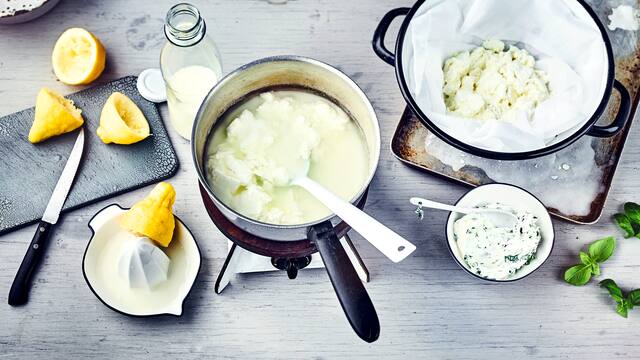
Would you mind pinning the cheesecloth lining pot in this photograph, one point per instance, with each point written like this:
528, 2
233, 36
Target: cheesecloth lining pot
566, 38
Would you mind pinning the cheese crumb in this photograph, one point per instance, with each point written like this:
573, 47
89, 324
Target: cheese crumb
624, 17
490, 82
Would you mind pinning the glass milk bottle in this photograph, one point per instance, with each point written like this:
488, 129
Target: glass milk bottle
190, 64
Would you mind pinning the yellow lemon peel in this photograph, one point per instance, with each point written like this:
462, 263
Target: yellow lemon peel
54, 115
78, 57
152, 217
121, 121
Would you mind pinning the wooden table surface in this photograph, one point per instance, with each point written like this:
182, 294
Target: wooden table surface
428, 307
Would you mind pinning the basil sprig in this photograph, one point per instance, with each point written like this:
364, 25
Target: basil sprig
629, 221
599, 251
624, 303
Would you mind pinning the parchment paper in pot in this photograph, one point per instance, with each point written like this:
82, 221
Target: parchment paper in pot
560, 34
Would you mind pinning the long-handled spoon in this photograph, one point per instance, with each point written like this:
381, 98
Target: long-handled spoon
498, 217
392, 245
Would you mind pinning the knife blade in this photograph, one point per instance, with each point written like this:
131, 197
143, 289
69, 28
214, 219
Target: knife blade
60, 192
19, 293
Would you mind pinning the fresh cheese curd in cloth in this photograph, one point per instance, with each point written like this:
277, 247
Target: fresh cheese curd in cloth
262, 144
490, 82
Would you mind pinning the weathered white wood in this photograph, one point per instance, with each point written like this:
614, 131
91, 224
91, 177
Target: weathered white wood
428, 308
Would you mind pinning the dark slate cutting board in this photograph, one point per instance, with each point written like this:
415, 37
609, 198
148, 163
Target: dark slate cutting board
29, 172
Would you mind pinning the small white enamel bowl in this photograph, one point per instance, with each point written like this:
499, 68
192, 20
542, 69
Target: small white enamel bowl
516, 198
100, 268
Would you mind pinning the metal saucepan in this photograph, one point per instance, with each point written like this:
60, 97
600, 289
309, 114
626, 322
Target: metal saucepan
294, 71
589, 128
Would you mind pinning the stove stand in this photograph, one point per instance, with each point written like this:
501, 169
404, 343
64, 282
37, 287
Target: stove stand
242, 261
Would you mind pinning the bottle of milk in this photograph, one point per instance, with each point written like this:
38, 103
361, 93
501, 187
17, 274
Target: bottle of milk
190, 64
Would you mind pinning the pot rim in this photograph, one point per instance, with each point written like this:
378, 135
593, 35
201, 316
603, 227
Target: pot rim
374, 158
497, 155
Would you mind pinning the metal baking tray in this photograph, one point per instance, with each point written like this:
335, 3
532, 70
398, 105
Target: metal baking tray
408, 143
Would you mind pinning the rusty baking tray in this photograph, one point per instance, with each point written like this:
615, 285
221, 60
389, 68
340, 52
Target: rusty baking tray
408, 145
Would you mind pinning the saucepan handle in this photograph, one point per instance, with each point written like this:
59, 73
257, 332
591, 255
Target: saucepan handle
624, 111
381, 32
353, 297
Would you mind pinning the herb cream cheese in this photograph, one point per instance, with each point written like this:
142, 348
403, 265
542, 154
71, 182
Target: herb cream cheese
497, 252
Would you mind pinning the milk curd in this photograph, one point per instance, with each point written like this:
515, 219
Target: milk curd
261, 145
490, 82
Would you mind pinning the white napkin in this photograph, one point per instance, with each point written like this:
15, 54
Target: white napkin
560, 34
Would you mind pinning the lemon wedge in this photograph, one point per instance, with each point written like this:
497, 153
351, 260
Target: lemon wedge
78, 57
153, 217
121, 121
54, 115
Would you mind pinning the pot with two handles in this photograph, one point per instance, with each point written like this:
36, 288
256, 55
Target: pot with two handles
399, 58
311, 75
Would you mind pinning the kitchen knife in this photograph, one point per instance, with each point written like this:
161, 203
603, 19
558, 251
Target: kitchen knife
19, 293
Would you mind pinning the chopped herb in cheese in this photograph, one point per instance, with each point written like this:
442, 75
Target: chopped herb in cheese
496, 252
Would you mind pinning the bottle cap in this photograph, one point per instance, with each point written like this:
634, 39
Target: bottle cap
151, 85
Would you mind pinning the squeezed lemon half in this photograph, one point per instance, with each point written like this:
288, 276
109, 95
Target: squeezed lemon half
152, 216
121, 121
54, 115
78, 57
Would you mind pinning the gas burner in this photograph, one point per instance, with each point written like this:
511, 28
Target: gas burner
249, 253
241, 261
291, 266
257, 255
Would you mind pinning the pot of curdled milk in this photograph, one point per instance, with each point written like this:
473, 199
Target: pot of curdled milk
272, 121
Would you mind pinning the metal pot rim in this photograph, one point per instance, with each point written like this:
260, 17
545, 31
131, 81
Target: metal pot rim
272, 59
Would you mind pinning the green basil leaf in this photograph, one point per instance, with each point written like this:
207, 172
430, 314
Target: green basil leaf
595, 269
585, 258
634, 297
624, 223
578, 275
632, 210
621, 309
613, 288
602, 249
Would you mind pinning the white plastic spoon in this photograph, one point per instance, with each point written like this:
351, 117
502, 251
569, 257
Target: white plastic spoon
498, 217
392, 245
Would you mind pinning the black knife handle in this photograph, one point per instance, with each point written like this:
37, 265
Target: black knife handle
19, 293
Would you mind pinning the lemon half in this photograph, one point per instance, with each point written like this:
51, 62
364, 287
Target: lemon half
78, 57
153, 217
54, 115
121, 121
